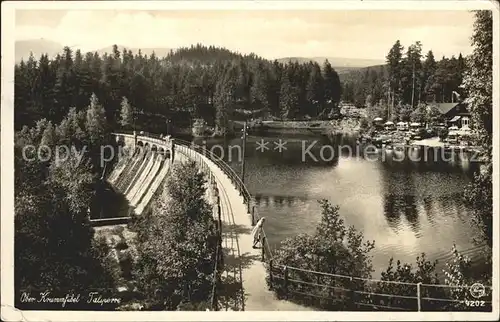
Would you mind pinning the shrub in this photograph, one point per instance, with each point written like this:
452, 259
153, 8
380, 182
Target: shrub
181, 229
443, 133
334, 249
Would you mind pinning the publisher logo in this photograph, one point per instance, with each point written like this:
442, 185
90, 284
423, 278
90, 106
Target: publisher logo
477, 290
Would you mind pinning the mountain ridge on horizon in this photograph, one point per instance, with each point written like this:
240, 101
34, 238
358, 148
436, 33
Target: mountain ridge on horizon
52, 48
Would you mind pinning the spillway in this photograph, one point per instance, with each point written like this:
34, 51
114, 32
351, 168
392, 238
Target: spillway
138, 177
137, 172
125, 177
119, 167
147, 180
151, 190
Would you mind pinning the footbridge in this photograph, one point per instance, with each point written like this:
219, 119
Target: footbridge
242, 284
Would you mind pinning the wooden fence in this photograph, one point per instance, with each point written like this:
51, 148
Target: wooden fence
340, 292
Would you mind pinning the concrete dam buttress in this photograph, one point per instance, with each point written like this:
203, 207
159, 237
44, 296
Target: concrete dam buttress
139, 174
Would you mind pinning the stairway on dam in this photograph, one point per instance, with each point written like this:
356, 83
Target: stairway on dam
139, 176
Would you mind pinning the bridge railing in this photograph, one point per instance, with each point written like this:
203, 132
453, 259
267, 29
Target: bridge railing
235, 179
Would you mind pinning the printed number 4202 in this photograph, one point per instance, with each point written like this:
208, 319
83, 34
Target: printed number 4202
474, 303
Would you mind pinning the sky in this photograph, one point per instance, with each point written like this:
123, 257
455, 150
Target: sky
270, 34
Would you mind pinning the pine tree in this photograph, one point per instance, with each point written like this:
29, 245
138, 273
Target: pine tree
224, 102
429, 69
64, 88
49, 136
276, 76
315, 91
95, 124
46, 85
21, 92
81, 72
333, 89
54, 244
394, 68
289, 98
259, 91
411, 68
126, 116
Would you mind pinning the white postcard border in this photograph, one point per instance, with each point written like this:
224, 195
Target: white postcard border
9, 313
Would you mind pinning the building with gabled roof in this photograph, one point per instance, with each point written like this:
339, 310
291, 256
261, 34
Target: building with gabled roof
456, 114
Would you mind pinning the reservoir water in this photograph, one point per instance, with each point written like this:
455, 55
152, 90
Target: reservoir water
408, 208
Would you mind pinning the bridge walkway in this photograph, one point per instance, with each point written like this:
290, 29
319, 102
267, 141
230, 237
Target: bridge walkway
244, 278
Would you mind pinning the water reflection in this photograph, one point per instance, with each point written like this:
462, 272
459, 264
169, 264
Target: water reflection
428, 208
400, 200
278, 200
406, 207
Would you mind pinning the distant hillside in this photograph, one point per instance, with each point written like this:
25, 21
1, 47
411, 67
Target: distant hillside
356, 75
159, 52
340, 64
38, 47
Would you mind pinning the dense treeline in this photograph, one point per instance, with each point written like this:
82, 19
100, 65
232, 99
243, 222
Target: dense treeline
205, 82
54, 242
408, 78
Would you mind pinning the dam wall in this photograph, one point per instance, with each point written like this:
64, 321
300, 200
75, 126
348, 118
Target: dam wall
139, 175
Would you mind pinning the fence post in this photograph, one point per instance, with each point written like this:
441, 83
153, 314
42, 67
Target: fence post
271, 273
419, 303
352, 292
221, 253
219, 210
214, 300
216, 193
253, 215
263, 242
220, 219
285, 281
